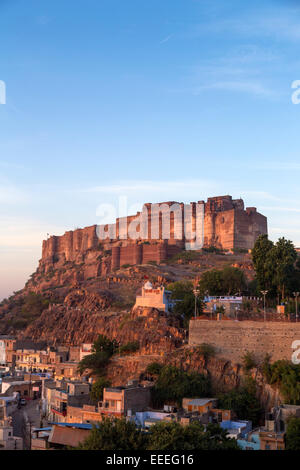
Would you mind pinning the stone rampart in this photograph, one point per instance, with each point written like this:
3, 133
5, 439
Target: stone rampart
233, 338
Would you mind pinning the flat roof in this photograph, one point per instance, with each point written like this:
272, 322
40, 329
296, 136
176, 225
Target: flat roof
200, 401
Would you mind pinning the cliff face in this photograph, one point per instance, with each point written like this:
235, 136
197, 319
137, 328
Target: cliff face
224, 374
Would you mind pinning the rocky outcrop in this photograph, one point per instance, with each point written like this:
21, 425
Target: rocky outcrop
62, 324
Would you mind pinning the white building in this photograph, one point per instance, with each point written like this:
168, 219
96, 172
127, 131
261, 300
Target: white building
152, 297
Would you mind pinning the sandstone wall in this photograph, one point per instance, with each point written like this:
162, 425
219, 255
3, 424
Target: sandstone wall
227, 225
232, 339
248, 225
71, 243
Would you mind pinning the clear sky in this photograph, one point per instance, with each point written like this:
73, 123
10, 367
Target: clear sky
151, 99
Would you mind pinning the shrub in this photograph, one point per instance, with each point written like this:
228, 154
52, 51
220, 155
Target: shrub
130, 347
249, 361
207, 350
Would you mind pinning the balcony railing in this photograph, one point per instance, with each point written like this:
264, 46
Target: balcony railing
58, 411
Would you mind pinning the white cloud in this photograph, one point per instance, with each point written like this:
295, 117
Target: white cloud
166, 39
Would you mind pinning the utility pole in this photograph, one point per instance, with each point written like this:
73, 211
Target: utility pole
196, 293
264, 293
296, 294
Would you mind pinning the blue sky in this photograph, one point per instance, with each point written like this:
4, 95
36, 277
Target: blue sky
153, 100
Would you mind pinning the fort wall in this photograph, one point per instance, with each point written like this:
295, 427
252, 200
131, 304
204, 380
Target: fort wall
232, 339
227, 225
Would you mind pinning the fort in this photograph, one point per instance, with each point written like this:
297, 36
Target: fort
226, 224
232, 339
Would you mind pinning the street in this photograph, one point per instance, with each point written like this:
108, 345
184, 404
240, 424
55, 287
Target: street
24, 419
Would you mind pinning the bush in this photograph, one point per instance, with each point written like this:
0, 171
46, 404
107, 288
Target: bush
286, 376
154, 368
249, 361
185, 256
207, 350
130, 347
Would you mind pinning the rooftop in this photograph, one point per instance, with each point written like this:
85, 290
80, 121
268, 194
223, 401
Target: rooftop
200, 401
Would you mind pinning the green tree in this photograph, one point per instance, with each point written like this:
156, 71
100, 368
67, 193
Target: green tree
115, 434
182, 291
103, 348
264, 271
293, 434
243, 402
95, 362
276, 266
98, 387
283, 258
175, 437
173, 384
227, 281
104, 344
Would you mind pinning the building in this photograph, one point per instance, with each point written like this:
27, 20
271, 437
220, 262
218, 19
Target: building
8, 404
250, 442
199, 405
237, 429
152, 297
124, 401
59, 436
271, 440
85, 350
276, 420
6, 342
66, 394
7, 440
231, 304
67, 370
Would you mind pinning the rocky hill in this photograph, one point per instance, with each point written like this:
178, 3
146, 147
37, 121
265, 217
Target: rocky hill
62, 291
